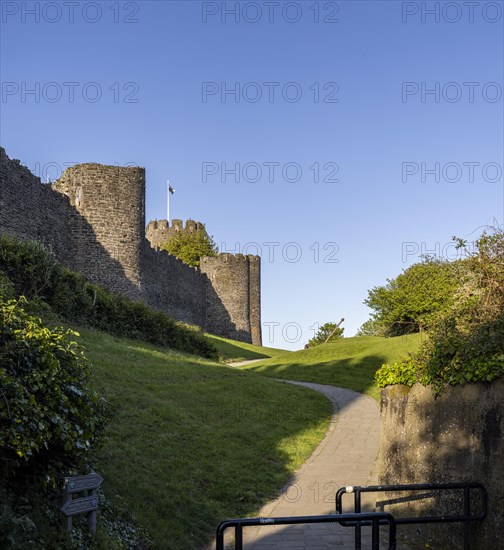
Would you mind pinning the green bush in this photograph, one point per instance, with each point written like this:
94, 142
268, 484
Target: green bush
16, 528
28, 265
372, 327
190, 246
329, 332
412, 300
405, 372
465, 343
49, 417
6, 287
36, 274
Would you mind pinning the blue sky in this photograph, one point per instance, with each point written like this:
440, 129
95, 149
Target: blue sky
387, 98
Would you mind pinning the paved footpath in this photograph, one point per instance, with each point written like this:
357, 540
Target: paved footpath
346, 456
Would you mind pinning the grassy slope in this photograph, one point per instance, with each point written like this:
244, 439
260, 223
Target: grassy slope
231, 350
191, 443
349, 362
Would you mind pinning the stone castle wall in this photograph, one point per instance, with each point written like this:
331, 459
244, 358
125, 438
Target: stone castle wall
174, 287
234, 281
30, 210
108, 207
93, 218
231, 289
159, 232
255, 299
456, 437
229, 276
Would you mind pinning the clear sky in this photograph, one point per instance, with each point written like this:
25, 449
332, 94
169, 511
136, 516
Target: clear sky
343, 138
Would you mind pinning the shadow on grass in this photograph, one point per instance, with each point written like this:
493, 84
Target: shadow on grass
191, 443
345, 457
229, 351
349, 363
353, 373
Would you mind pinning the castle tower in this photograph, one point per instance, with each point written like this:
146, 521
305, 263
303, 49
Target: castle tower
93, 219
233, 296
158, 232
109, 226
255, 299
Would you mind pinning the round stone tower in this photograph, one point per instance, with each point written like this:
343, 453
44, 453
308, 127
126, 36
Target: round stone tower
108, 226
255, 299
233, 296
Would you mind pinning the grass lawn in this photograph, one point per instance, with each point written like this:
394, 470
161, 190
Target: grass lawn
231, 350
348, 362
191, 443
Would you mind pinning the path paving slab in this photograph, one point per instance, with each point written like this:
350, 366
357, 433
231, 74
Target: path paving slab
346, 456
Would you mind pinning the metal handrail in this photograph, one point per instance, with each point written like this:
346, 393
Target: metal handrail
373, 518
466, 518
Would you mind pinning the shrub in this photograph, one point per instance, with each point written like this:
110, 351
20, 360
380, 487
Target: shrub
190, 246
329, 332
15, 528
49, 416
36, 274
6, 287
411, 301
372, 327
466, 342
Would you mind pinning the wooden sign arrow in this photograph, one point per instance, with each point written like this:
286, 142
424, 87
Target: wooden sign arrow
83, 483
80, 506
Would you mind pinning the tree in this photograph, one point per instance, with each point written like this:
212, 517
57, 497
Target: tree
372, 327
330, 330
466, 341
191, 245
409, 302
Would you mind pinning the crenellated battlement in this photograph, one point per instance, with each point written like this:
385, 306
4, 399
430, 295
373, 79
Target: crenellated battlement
93, 218
22, 170
159, 232
230, 257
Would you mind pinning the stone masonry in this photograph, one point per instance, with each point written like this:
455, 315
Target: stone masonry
93, 218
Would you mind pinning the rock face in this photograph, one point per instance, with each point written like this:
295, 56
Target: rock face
456, 437
93, 218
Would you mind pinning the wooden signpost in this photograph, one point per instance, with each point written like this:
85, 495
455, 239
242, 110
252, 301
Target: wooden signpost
82, 505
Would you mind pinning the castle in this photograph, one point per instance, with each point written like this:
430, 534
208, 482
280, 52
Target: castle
159, 232
93, 218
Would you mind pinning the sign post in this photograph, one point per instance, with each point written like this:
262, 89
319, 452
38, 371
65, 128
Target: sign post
82, 505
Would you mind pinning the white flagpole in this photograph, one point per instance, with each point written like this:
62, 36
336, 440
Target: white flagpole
168, 200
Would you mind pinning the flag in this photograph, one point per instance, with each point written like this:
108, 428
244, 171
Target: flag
171, 190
